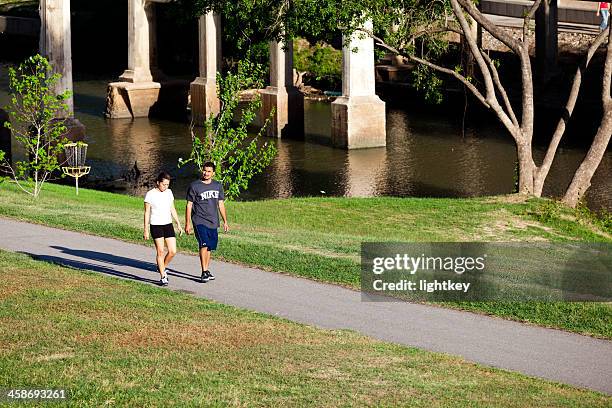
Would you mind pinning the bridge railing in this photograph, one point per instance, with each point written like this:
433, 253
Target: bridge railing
569, 12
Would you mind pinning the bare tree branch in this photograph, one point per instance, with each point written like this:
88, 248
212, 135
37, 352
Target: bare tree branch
501, 89
439, 68
491, 98
453, 73
14, 178
543, 170
528, 17
471, 41
582, 178
477, 15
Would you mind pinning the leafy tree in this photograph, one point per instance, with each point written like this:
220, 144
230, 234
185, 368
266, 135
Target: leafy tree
227, 143
37, 112
461, 17
321, 62
418, 30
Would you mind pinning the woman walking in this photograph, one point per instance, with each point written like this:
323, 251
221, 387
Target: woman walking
158, 214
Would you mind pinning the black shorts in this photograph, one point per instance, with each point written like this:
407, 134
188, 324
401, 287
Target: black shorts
162, 231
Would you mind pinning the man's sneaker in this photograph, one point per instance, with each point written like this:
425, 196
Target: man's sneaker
164, 281
204, 277
210, 275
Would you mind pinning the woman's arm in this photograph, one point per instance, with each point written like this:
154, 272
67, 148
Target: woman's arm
147, 216
176, 219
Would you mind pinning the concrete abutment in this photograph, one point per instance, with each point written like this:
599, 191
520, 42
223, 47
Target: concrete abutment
358, 116
203, 90
282, 97
135, 94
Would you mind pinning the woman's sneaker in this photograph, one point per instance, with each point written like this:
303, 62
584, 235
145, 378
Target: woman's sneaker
164, 281
210, 275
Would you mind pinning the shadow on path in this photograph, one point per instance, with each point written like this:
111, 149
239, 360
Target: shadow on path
89, 266
108, 258
114, 260
179, 274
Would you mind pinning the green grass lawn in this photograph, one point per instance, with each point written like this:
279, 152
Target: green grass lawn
113, 342
319, 238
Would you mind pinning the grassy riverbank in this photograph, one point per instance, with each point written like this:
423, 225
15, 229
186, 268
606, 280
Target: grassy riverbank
320, 238
113, 342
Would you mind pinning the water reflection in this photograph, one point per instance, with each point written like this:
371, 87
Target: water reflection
426, 155
280, 172
364, 172
431, 158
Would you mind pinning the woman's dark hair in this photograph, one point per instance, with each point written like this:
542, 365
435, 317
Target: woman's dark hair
163, 176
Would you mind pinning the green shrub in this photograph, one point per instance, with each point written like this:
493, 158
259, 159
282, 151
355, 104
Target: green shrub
321, 63
37, 115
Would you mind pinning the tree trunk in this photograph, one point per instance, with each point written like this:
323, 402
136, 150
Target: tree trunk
582, 178
298, 79
527, 168
538, 182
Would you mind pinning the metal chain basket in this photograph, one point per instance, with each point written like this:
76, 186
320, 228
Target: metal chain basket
76, 154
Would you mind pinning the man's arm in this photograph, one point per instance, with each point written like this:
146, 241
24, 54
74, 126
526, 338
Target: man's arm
223, 215
188, 217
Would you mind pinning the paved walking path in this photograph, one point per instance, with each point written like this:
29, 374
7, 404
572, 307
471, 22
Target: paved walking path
552, 354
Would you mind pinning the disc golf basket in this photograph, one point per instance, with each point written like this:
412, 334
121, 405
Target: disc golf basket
75, 160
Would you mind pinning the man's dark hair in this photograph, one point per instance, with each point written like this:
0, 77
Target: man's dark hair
209, 164
163, 176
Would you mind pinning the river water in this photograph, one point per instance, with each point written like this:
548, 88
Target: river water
426, 156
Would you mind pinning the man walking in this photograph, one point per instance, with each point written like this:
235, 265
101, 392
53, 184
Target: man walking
204, 203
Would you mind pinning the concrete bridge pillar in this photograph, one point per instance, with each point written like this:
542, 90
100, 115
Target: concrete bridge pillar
546, 39
358, 116
55, 43
156, 73
139, 69
135, 93
282, 95
204, 98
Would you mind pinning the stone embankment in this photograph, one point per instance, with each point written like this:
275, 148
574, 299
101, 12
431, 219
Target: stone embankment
569, 42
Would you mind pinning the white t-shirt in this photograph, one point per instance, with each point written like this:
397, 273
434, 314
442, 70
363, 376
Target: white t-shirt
161, 203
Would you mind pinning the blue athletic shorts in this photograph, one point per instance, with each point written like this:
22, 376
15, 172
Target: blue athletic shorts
207, 237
